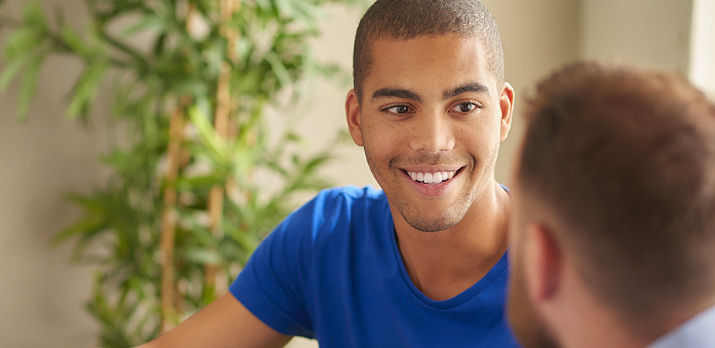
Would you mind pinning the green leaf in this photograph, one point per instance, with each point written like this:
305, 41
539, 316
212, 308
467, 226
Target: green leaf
29, 86
293, 137
88, 203
210, 139
159, 45
317, 161
10, 71
279, 69
264, 5
86, 89
199, 182
76, 42
87, 226
245, 241
22, 41
33, 15
204, 236
277, 168
145, 22
202, 256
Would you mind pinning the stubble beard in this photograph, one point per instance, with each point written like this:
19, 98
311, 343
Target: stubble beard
398, 198
525, 321
422, 222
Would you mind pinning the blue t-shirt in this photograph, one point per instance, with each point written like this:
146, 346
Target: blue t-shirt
332, 271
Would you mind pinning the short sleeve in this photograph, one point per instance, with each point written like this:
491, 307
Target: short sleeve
273, 285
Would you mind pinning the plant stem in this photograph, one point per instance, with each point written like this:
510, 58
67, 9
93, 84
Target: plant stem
60, 45
221, 122
169, 218
124, 48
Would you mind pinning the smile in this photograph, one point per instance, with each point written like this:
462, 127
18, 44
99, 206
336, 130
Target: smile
431, 178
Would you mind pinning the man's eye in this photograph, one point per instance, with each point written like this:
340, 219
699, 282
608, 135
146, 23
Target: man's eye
398, 109
464, 107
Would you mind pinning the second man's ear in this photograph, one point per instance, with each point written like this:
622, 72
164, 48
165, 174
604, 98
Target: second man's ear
543, 263
352, 114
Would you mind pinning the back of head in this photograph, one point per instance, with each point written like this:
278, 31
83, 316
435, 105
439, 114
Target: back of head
406, 19
625, 160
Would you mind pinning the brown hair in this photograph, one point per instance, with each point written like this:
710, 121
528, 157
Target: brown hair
406, 19
626, 161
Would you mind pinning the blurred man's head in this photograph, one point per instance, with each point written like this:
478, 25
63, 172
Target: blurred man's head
614, 204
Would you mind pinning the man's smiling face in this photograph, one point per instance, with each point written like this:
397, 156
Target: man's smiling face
431, 118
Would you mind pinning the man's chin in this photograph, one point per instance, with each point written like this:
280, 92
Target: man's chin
434, 216
431, 222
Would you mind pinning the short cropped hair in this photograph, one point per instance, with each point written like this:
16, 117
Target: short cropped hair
625, 161
407, 19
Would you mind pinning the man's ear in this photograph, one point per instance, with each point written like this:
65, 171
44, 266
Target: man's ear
543, 263
352, 113
506, 104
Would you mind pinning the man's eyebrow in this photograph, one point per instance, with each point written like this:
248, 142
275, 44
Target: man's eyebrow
396, 93
472, 87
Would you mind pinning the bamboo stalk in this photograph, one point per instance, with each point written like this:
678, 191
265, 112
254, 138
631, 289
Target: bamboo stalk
169, 218
221, 122
170, 299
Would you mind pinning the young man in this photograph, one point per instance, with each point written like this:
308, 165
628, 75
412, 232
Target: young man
423, 263
614, 213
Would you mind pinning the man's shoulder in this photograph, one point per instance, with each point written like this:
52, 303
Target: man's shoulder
353, 193
338, 209
346, 200
694, 333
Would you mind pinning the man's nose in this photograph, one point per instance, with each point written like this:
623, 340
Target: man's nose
432, 133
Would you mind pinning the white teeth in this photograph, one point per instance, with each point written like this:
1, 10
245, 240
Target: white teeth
431, 178
437, 177
428, 178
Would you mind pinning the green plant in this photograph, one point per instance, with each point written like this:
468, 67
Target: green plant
181, 212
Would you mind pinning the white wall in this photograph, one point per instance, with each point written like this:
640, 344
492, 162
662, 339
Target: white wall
702, 50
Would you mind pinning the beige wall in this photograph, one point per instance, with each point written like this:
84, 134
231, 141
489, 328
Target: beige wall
538, 36
652, 33
42, 294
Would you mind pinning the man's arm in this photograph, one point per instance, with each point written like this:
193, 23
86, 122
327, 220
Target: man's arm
224, 323
270, 284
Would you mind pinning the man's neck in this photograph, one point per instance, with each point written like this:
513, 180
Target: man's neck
443, 264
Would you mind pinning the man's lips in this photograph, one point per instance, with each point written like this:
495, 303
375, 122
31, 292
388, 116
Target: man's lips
432, 177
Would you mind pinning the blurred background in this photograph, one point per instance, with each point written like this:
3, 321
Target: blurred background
42, 293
